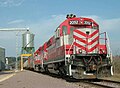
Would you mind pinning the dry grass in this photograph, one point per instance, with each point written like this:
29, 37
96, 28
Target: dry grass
116, 64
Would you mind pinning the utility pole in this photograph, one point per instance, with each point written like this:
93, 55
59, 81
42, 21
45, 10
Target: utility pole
17, 30
16, 64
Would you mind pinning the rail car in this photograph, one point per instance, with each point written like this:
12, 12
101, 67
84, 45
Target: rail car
77, 49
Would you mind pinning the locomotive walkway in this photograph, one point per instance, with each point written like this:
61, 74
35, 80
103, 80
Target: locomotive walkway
29, 79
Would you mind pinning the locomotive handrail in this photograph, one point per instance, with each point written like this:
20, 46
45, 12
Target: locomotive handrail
70, 48
109, 49
102, 33
107, 43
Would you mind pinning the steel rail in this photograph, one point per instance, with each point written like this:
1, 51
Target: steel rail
105, 83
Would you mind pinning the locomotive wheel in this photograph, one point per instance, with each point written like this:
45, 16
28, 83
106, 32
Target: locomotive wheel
62, 71
99, 72
46, 69
79, 73
35, 68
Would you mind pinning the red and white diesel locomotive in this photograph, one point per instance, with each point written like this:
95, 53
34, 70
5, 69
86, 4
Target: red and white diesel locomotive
77, 49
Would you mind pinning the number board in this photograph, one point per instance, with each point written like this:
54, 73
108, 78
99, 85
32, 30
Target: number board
87, 22
77, 22
73, 22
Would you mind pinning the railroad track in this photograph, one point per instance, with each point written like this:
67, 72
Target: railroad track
102, 83
88, 83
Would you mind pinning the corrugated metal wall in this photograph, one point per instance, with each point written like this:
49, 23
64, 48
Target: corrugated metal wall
2, 58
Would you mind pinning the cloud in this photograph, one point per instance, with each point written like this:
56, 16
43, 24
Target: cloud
16, 21
44, 29
10, 41
10, 3
116, 48
94, 17
106, 24
111, 24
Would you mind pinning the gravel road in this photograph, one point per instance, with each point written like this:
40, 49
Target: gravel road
29, 79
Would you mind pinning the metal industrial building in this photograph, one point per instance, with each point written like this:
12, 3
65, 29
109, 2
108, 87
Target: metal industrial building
2, 58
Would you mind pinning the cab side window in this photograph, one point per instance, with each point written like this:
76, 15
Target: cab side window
57, 33
64, 30
71, 35
71, 30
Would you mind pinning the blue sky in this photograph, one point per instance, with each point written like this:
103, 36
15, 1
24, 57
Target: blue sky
43, 16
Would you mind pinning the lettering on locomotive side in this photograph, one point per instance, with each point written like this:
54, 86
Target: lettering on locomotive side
73, 22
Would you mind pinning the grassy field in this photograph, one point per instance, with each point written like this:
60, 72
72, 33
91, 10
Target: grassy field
116, 64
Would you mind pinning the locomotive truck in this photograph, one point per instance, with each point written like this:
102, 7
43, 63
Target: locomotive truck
77, 49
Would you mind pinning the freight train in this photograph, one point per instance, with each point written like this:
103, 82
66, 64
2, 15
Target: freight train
77, 49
